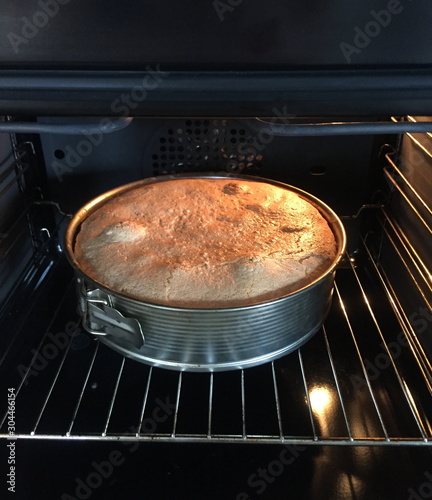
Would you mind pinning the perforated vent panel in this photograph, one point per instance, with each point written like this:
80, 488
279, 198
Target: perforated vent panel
205, 145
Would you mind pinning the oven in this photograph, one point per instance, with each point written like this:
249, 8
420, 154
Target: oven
334, 99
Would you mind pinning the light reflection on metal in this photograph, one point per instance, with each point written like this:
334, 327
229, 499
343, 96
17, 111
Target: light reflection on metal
321, 399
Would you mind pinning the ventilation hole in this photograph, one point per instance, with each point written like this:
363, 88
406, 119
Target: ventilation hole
172, 157
241, 165
233, 131
181, 157
180, 140
188, 123
170, 131
155, 172
242, 131
180, 148
155, 164
163, 157
197, 123
241, 157
154, 157
59, 154
206, 123
179, 131
163, 164
197, 131
162, 140
259, 157
171, 148
198, 148
233, 140
242, 139
171, 140
189, 131
318, 170
250, 157
249, 165
163, 148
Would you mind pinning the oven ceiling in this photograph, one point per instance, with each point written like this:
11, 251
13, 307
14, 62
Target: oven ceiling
223, 57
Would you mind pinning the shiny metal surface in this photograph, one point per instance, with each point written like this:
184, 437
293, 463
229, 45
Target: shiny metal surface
215, 339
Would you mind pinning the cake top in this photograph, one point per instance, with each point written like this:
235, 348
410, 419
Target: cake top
204, 242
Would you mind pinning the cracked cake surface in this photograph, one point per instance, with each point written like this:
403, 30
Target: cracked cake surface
205, 243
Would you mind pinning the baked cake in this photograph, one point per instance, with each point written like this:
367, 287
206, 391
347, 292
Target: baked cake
205, 243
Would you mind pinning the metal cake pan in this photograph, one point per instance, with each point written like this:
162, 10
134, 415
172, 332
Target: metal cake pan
203, 339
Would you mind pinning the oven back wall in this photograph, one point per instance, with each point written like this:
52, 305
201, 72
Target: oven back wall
82, 167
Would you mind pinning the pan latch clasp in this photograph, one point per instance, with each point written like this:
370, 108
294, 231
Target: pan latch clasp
101, 319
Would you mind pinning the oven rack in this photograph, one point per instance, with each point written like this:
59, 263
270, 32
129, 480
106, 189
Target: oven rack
357, 382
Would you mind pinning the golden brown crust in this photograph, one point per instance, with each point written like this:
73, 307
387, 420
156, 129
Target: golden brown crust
205, 243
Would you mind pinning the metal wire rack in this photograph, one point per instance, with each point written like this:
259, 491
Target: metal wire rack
361, 391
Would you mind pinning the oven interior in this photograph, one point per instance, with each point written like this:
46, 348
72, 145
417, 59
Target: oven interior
362, 383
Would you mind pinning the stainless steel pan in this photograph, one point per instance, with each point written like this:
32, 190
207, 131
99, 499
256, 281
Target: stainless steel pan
203, 339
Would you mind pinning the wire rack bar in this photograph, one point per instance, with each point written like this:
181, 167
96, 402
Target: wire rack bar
52, 386
210, 407
68, 432
278, 408
145, 399
309, 404
332, 364
111, 406
243, 404
35, 355
408, 269
417, 261
428, 134
417, 349
177, 404
402, 384
407, 200
360, 357
228, 439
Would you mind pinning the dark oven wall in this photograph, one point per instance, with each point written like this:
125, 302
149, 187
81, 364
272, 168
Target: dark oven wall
335, 169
